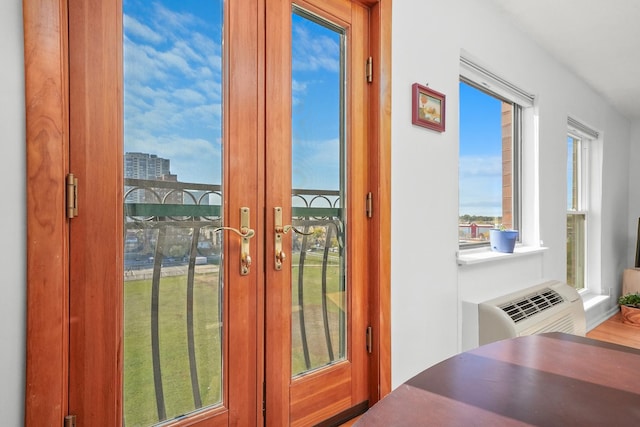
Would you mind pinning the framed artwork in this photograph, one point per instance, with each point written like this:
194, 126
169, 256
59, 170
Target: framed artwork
428, 108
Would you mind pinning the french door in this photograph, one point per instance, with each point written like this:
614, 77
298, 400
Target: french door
316, 171
218, 274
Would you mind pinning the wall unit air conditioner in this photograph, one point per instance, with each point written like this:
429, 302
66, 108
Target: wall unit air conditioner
548, 307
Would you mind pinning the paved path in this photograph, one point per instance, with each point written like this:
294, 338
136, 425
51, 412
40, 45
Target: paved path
180, 270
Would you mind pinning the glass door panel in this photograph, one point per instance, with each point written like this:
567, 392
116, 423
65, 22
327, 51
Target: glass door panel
173, 294
318, 193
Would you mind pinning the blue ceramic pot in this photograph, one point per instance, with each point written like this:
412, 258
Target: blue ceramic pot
503, 240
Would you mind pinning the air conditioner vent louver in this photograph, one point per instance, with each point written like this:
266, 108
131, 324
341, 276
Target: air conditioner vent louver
531, 304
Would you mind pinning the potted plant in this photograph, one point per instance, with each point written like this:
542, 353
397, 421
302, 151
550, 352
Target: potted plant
503, 240
630, 308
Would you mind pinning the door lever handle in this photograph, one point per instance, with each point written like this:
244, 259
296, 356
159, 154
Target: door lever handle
280, 230
284, 229
246, 234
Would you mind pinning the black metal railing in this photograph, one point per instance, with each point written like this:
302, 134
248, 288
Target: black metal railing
155, 213
319, 211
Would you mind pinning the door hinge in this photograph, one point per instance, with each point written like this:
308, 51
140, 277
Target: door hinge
369, 205
70, 421
369, 69
72, 196
369, 339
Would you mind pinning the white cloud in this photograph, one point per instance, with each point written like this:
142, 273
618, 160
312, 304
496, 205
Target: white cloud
189, 96
141, 63
298, 89
210, 88
174, 59
298, 86
312, 53
473, 166
213, 56
135, 27
316, 164
173, 22
182, 48
480, 185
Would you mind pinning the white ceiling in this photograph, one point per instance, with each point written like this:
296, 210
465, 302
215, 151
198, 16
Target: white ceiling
599, 40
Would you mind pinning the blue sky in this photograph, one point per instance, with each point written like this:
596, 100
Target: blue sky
173, 91
316, 105
480, 153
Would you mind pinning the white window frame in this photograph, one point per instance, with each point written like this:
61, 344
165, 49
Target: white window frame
474, 74
590, 199
582, 205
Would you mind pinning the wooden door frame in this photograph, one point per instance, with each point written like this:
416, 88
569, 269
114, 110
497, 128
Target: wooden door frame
380, 175
47, 150
47, 146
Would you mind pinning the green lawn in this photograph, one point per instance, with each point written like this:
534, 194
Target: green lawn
139, 392
314, 326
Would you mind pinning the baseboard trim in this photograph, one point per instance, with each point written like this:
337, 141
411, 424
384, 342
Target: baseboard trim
594, 322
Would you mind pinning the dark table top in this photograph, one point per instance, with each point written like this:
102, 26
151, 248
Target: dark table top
552, 379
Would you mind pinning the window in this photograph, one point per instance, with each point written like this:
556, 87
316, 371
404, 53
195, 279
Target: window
584, 204
493, 114
488, 164
576, 211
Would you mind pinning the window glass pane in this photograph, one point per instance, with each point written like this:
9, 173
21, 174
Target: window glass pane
573, 169
173, 174
486, 164
576, 237
319, 288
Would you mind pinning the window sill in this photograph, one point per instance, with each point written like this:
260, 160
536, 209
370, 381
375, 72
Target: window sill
591, 300
478, 256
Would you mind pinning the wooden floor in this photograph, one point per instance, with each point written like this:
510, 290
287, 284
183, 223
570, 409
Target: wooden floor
612, 330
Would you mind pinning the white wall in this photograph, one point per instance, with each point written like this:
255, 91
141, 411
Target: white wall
12, 216
427, 284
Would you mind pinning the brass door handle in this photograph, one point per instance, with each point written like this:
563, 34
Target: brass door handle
284, 229
246, 234
280, 230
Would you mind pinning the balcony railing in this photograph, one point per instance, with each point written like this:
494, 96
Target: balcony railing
170, 234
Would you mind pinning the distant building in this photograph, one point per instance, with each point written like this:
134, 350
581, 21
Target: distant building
149, 167
145, 166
